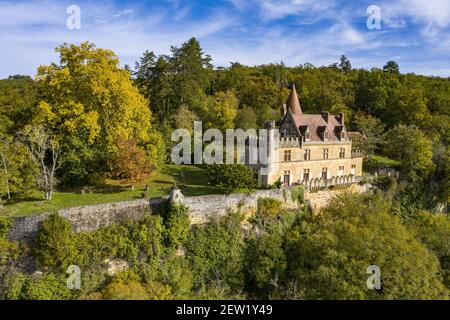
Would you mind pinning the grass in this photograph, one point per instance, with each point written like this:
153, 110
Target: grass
385, 161
192, 179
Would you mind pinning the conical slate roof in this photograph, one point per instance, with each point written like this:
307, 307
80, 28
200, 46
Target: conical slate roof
293, 103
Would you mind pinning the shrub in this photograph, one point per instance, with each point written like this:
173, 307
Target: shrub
43, 287
178, 225
54, 245
5, 224
268, 208
298, 194
231, 176
216, 251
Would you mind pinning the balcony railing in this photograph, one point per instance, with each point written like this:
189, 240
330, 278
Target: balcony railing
289, 142
321, 183
357, 153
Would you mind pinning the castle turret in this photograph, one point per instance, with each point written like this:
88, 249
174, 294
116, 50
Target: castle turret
293, 103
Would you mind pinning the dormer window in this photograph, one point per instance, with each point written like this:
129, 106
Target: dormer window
306, 132
325, 135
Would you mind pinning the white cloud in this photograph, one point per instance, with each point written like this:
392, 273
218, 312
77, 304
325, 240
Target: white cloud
30, 33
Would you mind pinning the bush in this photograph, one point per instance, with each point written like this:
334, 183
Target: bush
216, 251
43, 287
178, 225
5, 224
268, 208
231, 176
54, 245
298, 194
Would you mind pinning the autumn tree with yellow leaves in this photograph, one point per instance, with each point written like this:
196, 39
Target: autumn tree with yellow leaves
90, 103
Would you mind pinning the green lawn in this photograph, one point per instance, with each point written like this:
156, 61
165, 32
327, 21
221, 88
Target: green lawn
385, 161
192, 179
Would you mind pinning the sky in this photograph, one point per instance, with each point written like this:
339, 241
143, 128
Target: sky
414, 33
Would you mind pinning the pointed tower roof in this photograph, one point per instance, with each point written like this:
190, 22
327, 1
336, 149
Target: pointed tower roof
293, 103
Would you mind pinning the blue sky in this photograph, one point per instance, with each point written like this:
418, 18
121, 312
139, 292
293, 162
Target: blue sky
415, 33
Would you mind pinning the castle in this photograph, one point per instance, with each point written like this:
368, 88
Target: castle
313, 149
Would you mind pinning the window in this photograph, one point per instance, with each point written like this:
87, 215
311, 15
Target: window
342, 135
341, 168
353, 166
306, 175
308, 135
287, 155
324, 173
325, 154
325, 135
342, 153
307, 154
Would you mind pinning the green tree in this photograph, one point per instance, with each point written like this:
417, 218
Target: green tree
216, 252
266, 263
329, 254
246, 119
221, 110
192, 73
391, 67
88, 102
344, 64
434, 231
412, 147
372, 130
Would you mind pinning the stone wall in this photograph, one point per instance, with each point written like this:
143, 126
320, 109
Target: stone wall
202, 207
86, 218
90, 218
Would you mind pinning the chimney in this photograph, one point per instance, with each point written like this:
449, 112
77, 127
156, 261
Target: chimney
325, 116
341, 118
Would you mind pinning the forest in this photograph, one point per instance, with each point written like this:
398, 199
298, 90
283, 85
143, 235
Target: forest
85, 120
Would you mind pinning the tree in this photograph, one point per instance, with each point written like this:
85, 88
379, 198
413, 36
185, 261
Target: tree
184, 119
45, 152
89, 102
329, 254
344, 64
391, 67
412, 147
221, 110
434, 231
216, 252
372, 129
266, 263
131, 163
246, 119
17, 172
192, 71
154, 76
